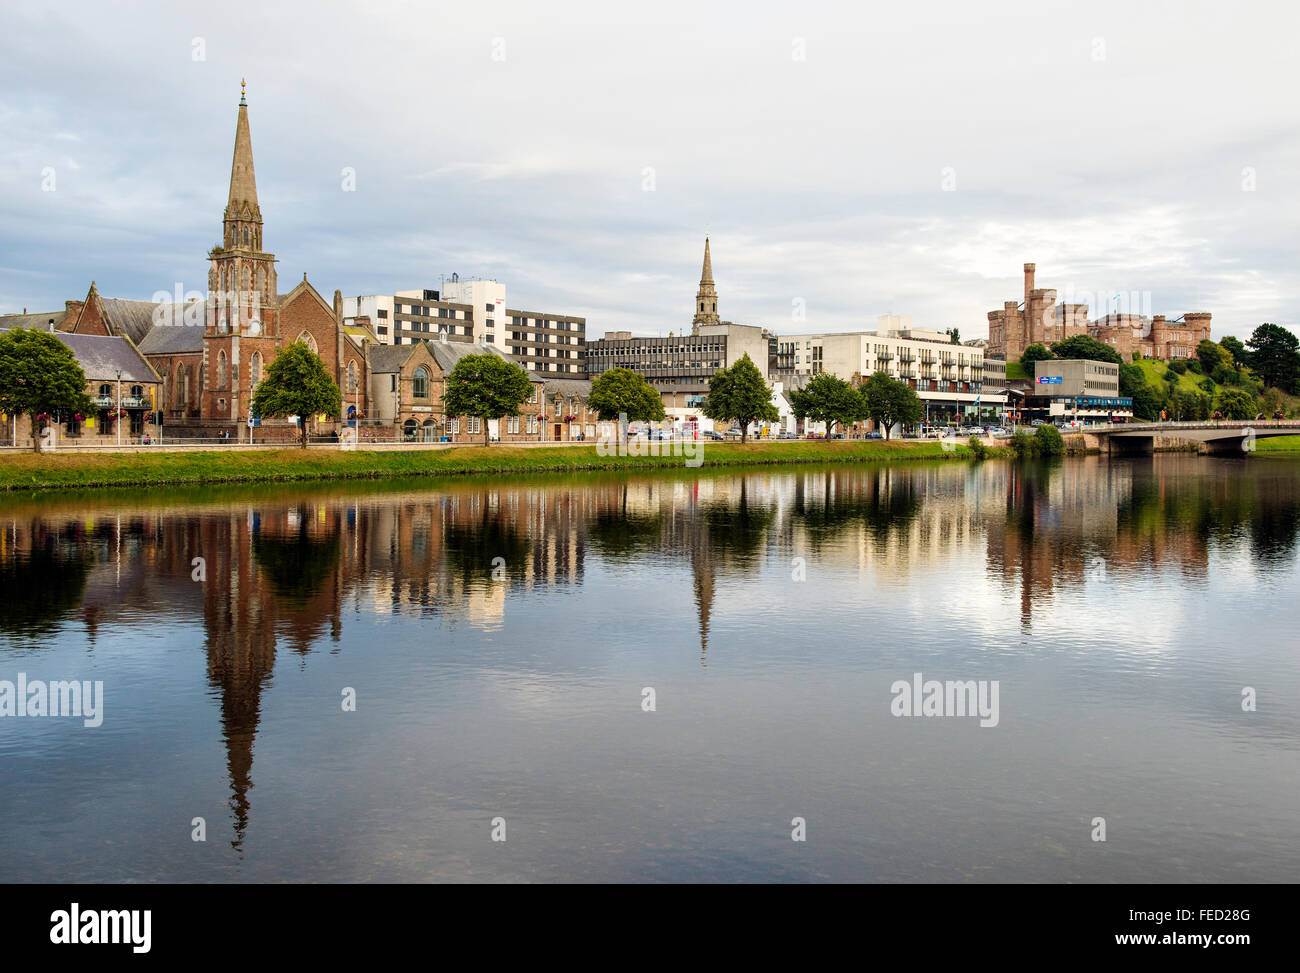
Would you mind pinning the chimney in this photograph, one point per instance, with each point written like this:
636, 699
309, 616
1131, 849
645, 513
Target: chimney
442, 335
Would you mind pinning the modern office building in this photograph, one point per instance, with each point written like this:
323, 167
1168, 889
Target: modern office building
475, 311
1077, 389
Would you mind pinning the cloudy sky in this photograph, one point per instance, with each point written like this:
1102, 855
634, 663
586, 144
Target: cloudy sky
846, 160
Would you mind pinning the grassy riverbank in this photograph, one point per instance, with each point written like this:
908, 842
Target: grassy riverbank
1279, 444
65, 470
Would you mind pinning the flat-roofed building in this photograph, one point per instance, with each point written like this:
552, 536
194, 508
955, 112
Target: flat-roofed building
475, 311
1077, 389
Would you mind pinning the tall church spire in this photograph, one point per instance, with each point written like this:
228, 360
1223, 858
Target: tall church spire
242, 211
706, 298
241, 277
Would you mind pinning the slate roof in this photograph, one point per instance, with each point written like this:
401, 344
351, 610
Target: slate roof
177, 330
41, 322
567, 387
173, 340
131, 318
385, 359
447, 353
101, 356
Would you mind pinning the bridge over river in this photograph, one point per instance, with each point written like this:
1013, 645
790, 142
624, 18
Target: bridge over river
1219, 436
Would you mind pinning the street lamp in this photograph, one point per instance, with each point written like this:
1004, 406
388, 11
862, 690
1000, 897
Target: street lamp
118, 415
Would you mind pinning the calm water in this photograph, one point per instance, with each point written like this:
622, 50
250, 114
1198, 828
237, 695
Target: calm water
498, 637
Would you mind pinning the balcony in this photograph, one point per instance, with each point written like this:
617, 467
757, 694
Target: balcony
128, 401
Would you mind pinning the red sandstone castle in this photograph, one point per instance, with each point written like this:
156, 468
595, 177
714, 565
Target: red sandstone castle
1040, 320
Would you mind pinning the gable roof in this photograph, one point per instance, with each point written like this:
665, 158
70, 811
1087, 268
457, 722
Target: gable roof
132, 319
385, 359
447, 353
567, 387
305, 285
101, 357
173, 340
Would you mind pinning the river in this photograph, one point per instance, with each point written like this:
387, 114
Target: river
664, 677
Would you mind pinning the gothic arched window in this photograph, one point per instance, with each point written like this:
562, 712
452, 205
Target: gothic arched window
420, 384
352, 375
255, 369
221, 370
307, 340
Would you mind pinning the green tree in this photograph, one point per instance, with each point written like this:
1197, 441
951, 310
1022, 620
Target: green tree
890, 401
1237, 404
1233, 346
623, 392
40, 376
828, 399
297, 384
1271, 401
1185, 405
739, 394
1035, 352
1212, 356
486, 386
1022, 444
953, 334
1275, 356
1224, 375
1048, 441
1082, 346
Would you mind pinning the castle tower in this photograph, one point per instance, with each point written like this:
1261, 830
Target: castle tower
706, 298
242, 301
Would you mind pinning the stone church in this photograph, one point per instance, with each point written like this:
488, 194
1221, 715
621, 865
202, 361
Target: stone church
210, 354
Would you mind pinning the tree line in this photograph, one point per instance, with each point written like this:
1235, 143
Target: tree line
1239, 380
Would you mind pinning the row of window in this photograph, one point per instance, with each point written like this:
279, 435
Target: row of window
520, 321
598, 349
421, 311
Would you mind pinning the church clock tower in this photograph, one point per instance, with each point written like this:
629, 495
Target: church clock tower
243, 318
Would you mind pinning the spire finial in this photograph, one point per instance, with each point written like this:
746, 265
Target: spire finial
241, 92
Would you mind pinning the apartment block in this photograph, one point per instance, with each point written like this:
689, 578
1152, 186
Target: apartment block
475, 310
948, 377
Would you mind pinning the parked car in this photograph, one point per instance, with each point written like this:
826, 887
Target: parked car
1036, 423
711, 434
786, 435
874, 435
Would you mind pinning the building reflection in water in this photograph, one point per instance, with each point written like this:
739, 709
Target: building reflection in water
280, 573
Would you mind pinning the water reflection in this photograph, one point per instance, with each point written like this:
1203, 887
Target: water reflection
286, 573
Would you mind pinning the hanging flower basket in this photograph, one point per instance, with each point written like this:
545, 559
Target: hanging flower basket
43, 417
115, 414
570, 418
